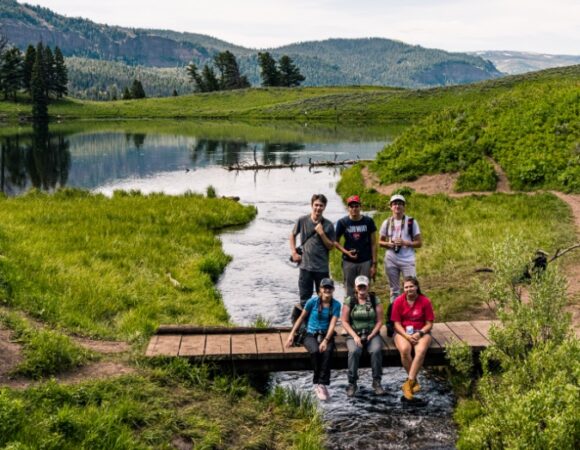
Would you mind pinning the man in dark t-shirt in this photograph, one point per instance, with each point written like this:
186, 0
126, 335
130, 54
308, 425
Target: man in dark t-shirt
316, 240
359, 253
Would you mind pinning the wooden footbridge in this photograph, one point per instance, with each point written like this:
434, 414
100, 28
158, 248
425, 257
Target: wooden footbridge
262, 349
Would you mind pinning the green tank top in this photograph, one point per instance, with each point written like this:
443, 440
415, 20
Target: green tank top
362, 316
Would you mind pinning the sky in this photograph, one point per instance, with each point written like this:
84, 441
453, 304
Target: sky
541, 26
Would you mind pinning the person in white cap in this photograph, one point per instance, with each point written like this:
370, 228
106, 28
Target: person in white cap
362, 318
400, 236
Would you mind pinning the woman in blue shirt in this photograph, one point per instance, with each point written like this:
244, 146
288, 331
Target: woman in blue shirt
321, 312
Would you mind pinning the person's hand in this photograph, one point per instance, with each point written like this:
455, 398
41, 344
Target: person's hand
289, 341
352, 254
398, 242
323, 345
296, 257
414, 338
319, 228
358, 341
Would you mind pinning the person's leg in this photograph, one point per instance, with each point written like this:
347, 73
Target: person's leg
405, 348
349, 271
375, 349
311, 345
364, 268
325, 363
305, 285
393, 274
354, 354
420, 352
409, 270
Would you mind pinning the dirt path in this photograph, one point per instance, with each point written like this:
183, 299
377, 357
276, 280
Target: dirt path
443, 184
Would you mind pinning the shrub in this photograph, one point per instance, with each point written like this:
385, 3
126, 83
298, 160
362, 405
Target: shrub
480, 176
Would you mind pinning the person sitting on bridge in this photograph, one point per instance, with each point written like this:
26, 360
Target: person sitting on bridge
321, 312
413, 317
362, 318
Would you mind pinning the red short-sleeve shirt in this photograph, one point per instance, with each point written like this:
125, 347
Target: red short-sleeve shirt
416, 315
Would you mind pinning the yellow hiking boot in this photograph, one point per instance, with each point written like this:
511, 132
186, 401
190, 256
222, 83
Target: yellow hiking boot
407, 389
416, 386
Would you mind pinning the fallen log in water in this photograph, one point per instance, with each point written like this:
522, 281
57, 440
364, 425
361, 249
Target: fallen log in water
346, 162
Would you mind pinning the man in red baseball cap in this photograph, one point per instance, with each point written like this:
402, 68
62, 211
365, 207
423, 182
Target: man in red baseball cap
359, 253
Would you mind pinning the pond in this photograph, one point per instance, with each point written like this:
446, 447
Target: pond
175, 157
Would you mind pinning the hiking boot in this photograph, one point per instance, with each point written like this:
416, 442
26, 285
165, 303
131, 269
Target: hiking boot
416, 386
407, 389
378, 388
351, 390
321, 392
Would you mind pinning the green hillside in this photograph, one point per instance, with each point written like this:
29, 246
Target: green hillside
532, 130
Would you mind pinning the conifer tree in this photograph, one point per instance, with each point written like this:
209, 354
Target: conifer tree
229, 71
290, 75
210, 83
29, 58
11, 73
268, 70
49, 71
137, 90
60, 74
126, 94
38, 89
195, 77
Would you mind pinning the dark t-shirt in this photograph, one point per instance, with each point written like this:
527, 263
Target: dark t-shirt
315, 253
357, 235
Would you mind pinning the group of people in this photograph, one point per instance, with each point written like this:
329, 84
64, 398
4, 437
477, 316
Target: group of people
362, 314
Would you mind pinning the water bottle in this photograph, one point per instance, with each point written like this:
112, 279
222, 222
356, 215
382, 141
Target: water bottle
409, 329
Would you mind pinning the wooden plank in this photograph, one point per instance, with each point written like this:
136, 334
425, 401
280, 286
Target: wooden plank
292, 350
483, 326
389, 342
269, 346
442, 334
192, 345
218, 345
468, 334
166, 345
244, 346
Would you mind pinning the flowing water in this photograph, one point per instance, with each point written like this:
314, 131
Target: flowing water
259, 281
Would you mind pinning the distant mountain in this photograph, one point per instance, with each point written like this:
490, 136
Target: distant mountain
370, 61
514, 63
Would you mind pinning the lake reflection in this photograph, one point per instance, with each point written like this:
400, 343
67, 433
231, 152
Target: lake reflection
104, 155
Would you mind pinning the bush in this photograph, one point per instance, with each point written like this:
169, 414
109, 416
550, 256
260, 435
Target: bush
480, 176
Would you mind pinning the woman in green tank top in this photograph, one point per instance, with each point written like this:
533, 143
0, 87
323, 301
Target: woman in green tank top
362, 320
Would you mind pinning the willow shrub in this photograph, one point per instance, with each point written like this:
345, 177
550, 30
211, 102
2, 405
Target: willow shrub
107, 266
529, 394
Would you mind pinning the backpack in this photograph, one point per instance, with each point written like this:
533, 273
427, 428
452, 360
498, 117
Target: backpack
373, 301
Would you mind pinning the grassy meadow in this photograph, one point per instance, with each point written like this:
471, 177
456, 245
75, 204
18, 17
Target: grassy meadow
458, 234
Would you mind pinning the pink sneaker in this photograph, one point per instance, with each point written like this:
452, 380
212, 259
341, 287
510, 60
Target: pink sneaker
321, 392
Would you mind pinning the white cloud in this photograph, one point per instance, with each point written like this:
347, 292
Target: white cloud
460, 25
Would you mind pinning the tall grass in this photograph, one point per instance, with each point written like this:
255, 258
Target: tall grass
104, 266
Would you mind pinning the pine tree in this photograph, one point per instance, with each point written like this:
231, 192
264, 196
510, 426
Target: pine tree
38, 87
11, 73
29, 58
175, 94
210, 82
137, 90
268, 70
126, 94
290, 75
49, 72
60, 74
229, 70
195, 77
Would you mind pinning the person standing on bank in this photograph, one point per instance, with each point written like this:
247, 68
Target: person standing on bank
321, 313
316, 240
413, 317
362, 318
359, 254
400, 236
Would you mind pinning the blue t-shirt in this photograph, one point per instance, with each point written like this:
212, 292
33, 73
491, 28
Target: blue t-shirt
320, 322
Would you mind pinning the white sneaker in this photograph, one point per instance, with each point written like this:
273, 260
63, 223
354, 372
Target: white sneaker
321, 392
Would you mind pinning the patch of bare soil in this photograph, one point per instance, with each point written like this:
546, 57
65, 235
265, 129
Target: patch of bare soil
443, 184
10, 355
106, 347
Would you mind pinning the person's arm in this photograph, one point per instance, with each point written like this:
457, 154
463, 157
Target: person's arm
418, 334
373, 254
343, 250
415, 243
329, 333
328, 242
297, 324
384, 240
295, 256
379, 322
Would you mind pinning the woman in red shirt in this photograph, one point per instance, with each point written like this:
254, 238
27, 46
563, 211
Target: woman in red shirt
413, 317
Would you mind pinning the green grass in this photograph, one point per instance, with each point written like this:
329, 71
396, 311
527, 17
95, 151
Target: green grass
532, 130
369, 104
458, 235
100, 266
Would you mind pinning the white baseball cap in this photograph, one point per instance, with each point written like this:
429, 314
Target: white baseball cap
397, 197
361, 280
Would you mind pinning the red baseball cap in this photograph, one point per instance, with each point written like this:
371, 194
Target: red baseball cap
353, 199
